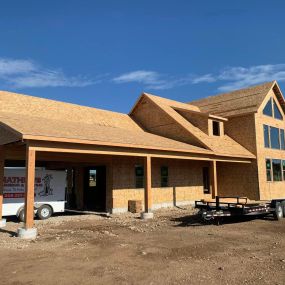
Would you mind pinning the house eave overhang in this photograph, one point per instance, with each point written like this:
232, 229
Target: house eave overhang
142, 150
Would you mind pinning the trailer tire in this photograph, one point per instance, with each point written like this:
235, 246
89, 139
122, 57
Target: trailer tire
278, 213
283, 208
44, 212
21, 215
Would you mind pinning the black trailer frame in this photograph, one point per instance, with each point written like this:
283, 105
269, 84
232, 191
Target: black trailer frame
241, 206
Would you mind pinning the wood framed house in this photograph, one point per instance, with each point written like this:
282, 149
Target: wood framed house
163, 152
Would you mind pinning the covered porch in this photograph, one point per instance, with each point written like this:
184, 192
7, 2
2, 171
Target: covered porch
74, 158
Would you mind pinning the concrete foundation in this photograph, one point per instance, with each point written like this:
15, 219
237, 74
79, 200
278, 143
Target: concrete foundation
146, 216
2, 223
27, 233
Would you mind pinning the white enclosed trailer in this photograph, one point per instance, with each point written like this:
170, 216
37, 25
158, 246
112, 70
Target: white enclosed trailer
49, 192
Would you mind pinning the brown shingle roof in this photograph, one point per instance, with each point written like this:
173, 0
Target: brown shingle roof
32, 116
220, 145
39, 107
235, 103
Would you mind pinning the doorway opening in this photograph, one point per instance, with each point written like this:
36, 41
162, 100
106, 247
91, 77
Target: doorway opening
95, 188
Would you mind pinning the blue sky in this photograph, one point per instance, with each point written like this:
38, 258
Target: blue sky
106, 53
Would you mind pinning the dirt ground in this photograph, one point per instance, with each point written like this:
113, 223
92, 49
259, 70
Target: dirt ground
174, 248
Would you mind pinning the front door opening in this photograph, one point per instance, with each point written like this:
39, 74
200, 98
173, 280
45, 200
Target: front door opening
95, 188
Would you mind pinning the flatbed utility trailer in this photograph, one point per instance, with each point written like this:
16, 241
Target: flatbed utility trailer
229, 206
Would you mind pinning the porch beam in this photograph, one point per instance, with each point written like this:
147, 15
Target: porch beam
214, 182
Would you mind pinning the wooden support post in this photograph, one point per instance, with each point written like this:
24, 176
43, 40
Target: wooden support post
79, 187
109, 187
2, 165
214, 183
147, 186
30, 187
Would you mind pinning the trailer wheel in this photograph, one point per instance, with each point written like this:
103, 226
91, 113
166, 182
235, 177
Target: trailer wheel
278, 213
283, 208
44, 212
21, 215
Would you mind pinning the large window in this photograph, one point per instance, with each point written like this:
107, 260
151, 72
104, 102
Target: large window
271, 109
268, 170
139, 176
276, 169
274, 138
206, 180
277, 113
266, 136
282, 139
164, 176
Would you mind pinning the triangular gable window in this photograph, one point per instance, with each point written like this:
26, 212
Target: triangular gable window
268, 108
277, 113
271, 109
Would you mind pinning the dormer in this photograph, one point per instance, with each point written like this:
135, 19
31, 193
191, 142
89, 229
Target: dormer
209, 124
216, 126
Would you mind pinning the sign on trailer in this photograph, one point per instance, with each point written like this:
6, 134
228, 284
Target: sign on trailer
49, 190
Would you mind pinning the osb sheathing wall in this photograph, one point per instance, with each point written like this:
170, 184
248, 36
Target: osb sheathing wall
236, 179
185, 183
276, 189
242, 130
240, 179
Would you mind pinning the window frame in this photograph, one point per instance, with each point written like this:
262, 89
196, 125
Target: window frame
139, 179
283, 169
272, 166
216, 127
268, 136
164, 176
271, 136
266, 105
274, 107
268, 169
206, 180
282, 139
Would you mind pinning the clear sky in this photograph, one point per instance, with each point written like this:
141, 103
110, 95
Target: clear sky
106, 53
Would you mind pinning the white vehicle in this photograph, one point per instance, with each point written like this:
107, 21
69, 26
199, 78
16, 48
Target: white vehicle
49, 192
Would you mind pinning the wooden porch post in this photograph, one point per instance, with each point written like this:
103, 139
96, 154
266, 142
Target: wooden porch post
30, 187
2, 165
79, 187
214, 182
147, 187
